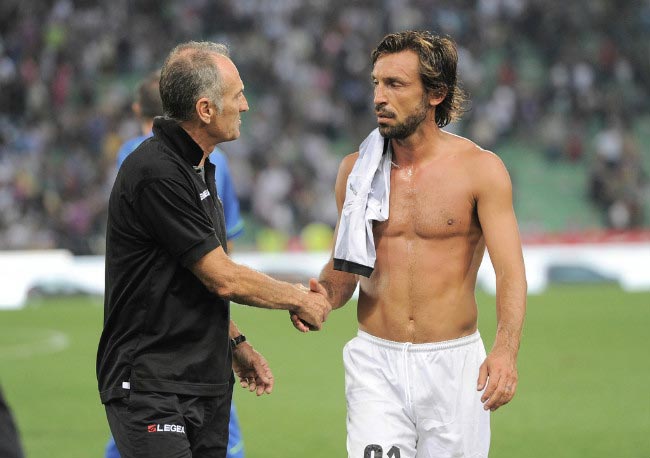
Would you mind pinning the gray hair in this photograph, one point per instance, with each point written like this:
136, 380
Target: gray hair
189, 73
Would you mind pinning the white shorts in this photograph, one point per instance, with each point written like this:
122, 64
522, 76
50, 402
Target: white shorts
415, 400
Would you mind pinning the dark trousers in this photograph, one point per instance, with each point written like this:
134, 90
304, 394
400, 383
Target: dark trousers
9, 441
166, 425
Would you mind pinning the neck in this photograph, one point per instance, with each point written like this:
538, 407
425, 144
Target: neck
199, 134
146, 126
417, 147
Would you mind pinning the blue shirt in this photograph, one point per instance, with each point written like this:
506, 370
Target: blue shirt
225, 187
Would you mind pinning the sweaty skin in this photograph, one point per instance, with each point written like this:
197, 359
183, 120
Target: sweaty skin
430, 248
449, 199
428, 254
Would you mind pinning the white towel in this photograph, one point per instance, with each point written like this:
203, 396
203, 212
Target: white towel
366, 200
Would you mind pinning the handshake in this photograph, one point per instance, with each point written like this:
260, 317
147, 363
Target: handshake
314, 308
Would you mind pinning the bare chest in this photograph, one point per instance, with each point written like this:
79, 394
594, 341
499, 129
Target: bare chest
430, 203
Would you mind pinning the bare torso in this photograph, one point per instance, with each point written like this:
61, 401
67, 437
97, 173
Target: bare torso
428, 252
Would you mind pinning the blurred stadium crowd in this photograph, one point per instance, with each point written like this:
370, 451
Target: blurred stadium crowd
571, 79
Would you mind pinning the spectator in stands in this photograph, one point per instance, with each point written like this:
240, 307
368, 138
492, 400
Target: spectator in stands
65, 92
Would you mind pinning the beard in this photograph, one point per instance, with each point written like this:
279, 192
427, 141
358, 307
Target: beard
405, 129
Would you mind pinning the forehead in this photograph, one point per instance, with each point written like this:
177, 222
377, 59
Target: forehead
229, 71
403, 64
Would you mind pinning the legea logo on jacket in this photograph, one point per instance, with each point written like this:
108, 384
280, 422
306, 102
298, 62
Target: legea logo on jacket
204, 194
166, 429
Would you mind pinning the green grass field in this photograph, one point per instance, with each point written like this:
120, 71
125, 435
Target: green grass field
584, 379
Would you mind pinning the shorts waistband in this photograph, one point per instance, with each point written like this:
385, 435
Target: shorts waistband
416, 347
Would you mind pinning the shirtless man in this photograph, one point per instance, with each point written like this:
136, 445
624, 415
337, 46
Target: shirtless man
418, 382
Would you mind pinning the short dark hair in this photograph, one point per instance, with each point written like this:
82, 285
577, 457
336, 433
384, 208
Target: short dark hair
189, 73
438, 61
147, 96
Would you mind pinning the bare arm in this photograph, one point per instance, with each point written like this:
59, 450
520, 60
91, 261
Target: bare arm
339, 285
336, 286
236, 282
499, 225
250, 366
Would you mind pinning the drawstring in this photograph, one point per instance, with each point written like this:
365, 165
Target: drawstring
405, 355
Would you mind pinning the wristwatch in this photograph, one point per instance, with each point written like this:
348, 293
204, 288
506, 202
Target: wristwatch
237, 340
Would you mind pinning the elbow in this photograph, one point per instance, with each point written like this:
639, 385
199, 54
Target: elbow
223, 286
218, 275
523, 281
225, 289
512, 281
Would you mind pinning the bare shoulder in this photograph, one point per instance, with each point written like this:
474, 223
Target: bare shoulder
347, 163
484, 165
345, 168
342, 177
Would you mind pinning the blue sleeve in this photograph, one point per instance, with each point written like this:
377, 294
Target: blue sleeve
226, 190
111, 449
235, 441
124, 151
128, 147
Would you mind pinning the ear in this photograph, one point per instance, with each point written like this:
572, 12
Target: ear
436, 98
204, 109
137, 109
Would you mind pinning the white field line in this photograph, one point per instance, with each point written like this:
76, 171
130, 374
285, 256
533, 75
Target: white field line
44, 341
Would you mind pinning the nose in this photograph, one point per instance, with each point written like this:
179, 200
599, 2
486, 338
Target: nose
380, 96
244, 104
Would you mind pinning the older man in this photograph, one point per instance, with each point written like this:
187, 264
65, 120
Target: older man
168, 347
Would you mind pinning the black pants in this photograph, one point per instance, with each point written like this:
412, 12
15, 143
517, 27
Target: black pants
166, 425
9, 442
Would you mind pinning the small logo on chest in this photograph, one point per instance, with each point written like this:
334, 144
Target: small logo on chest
204, 194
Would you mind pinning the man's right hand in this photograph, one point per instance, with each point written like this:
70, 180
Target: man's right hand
314, 309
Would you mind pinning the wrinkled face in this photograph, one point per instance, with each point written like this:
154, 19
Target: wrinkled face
227, 121
401, 103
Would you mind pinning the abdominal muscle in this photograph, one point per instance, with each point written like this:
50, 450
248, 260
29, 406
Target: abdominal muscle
422, 289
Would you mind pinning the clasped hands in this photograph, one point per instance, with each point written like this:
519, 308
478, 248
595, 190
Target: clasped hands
314, 309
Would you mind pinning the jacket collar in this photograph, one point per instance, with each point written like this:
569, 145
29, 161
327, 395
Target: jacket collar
171, 133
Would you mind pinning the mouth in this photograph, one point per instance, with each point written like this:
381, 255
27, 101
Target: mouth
384, 116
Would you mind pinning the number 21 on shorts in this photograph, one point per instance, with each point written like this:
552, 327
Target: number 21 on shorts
375, 451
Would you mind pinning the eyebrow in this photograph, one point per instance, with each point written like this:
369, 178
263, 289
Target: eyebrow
390, 79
